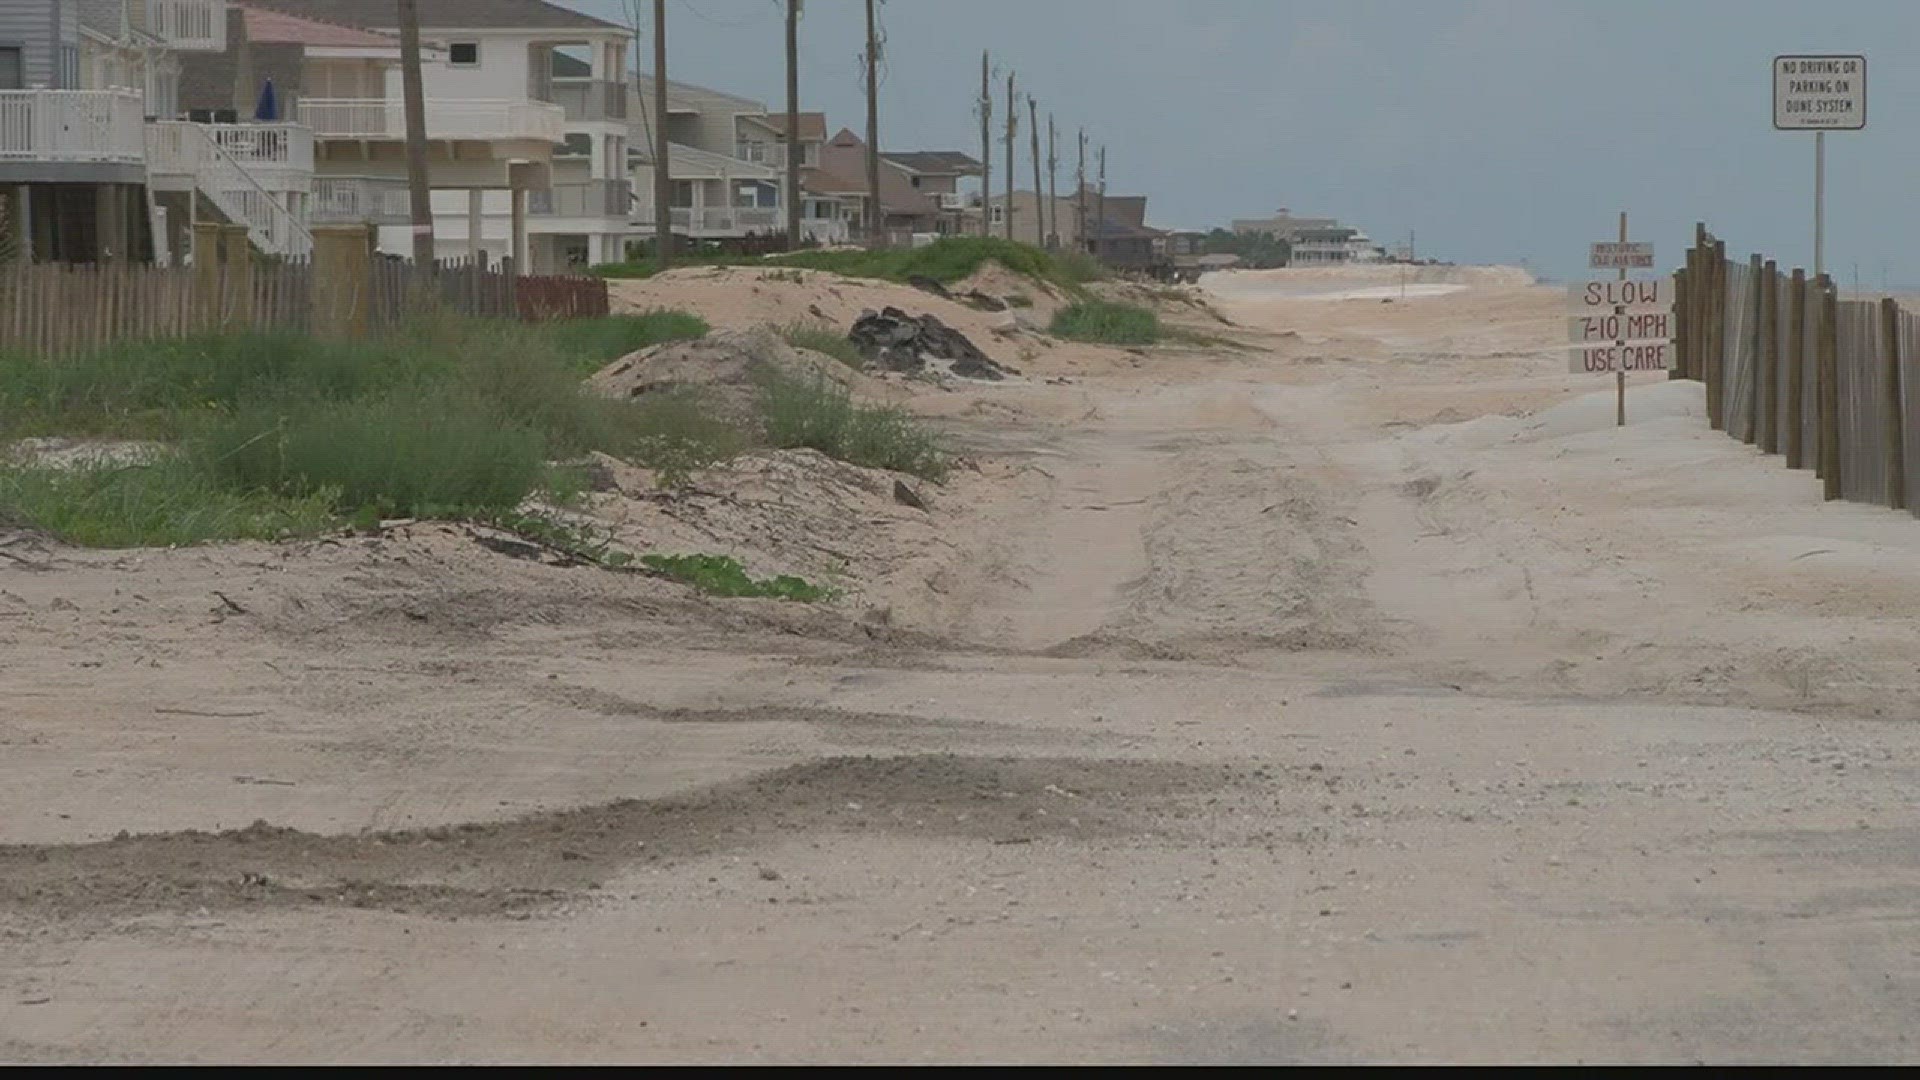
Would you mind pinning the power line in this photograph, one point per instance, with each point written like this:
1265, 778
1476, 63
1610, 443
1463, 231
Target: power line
742, 25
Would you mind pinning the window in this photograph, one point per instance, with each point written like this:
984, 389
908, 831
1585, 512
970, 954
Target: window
464, 54
916, 181
13, 72
999, 214
578, 144
810, 153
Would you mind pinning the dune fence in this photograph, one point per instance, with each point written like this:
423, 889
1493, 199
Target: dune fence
1792, 368
342, 288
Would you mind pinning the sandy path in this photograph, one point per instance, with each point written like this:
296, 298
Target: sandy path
1370, 697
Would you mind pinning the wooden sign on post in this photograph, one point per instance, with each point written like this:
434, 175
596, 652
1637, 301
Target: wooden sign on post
1620, 325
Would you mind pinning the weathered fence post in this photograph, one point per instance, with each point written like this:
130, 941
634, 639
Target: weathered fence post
1681, 322
1756, 296
207, 257
1797, 370
239, 249
342, 275
1829, 377
1717, 335
1896, 439
1766, 392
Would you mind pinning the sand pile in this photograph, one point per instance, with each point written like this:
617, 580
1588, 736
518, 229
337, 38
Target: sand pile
728, 367
734, 297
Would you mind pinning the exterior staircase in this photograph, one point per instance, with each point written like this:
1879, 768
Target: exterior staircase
257, 175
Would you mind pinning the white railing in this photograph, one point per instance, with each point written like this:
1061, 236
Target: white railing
72, 125
267, 150
591, 199
736, 220
194, 25
174, 149
587, 99
385, 118
356, 200
262, 182
267, 147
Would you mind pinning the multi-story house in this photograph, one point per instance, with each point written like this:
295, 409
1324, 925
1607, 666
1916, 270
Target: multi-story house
727, 163
78, 80
937, 175
526, 108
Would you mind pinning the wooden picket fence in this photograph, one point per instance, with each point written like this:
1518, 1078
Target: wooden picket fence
63, 310
539, 298
1794, 369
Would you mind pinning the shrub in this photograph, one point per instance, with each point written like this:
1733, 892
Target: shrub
825, 340
163, 504
675, 432
817, 414
1107, 323
156, 389
401, 455
722, 575
590, 344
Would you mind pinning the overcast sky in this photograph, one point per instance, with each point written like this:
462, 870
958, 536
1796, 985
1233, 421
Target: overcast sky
1499, 130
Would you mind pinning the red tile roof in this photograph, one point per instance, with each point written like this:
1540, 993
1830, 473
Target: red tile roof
280, 27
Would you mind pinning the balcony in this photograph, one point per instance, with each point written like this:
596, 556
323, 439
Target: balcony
358, 200
447, 119
189, 25
716, 221
103, 127
278, 155
588, 99
592, 199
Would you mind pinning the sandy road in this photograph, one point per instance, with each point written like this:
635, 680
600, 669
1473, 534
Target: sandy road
1367, 697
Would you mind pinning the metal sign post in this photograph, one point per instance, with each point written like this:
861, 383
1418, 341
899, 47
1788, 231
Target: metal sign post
1819, 94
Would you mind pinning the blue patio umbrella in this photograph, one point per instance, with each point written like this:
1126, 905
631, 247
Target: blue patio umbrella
269, 107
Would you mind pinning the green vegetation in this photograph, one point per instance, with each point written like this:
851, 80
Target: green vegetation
286, 434
822, 339
722, 575
159, 505
280, 435
1107, 323
678, 431
163, 389
594, 342
945, 260
574, 541
817, 414
1257, 251
399, 455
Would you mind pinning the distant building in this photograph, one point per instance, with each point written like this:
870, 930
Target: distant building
1281, 226
1312, 241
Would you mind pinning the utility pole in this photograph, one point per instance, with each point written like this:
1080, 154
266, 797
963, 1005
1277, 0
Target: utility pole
875, 218
986, 149
662, 165
1100, 213
420, 198
1039, 208
1053, 189
793, 125
1013, 121
1080, 196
